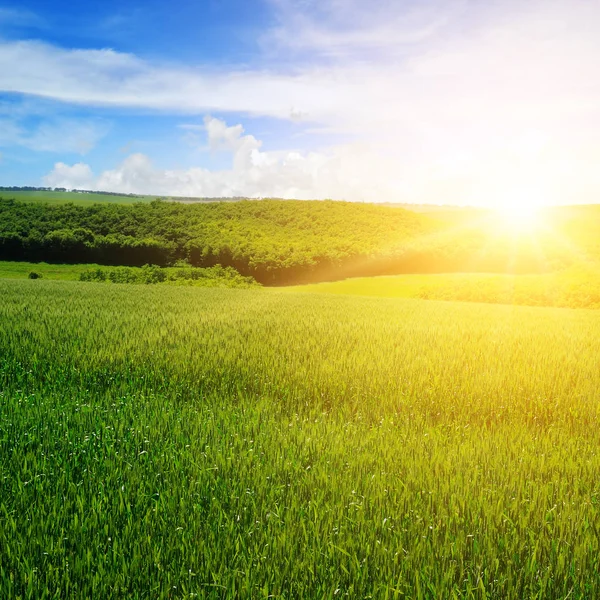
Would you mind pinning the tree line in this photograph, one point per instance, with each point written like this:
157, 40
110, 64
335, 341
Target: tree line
276, 242
30, 188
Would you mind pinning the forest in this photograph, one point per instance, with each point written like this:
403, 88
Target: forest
284, 242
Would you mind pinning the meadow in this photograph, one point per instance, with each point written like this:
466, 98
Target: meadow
576, 287
168, 442
21, 270
52, 197
216, 276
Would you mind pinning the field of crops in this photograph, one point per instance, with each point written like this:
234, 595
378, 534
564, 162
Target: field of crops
577, 287
71, 197
163, 442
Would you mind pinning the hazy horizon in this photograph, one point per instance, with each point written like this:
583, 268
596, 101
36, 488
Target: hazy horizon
437, 102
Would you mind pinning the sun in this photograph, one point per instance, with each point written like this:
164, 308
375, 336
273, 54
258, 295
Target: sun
519, 212
522, 217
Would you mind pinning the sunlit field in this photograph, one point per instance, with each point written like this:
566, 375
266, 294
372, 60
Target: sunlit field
300, 300
578, 287
162, 442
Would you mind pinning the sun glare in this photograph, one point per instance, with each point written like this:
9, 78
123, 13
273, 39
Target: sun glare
519, 217
520, 212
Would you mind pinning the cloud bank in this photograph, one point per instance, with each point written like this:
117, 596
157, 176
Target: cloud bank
253, 172
356, 172
452, 101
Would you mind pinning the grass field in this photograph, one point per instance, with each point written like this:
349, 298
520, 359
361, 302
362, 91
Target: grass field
212, 277
162, 442
21, 270
74, 197
578, 287
393, 286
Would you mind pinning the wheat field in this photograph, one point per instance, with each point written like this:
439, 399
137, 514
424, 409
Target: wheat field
169, 442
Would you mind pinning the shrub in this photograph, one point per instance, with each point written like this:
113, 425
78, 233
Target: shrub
92, 275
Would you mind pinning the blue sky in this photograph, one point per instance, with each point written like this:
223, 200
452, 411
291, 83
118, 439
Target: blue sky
443, 101
215, 31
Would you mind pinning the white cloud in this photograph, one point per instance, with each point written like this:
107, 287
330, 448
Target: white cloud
253, 172
445, 96
359, 172
501, 68
351, 28
77, 176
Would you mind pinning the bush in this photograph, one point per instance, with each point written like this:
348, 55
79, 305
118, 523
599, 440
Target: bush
92, 275
216, 276
152, 274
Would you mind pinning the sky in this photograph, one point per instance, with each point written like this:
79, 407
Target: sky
489, 103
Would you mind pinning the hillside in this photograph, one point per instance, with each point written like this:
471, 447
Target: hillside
281, 242
274, 241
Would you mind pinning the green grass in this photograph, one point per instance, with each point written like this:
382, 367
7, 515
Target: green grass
183, 275
393, 286
162, 442
21, 270
72, 197
578, 287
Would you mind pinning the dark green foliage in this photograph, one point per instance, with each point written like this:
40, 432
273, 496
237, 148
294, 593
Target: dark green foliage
216, 276
97, 274
273, 241
281, 242
34, 275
